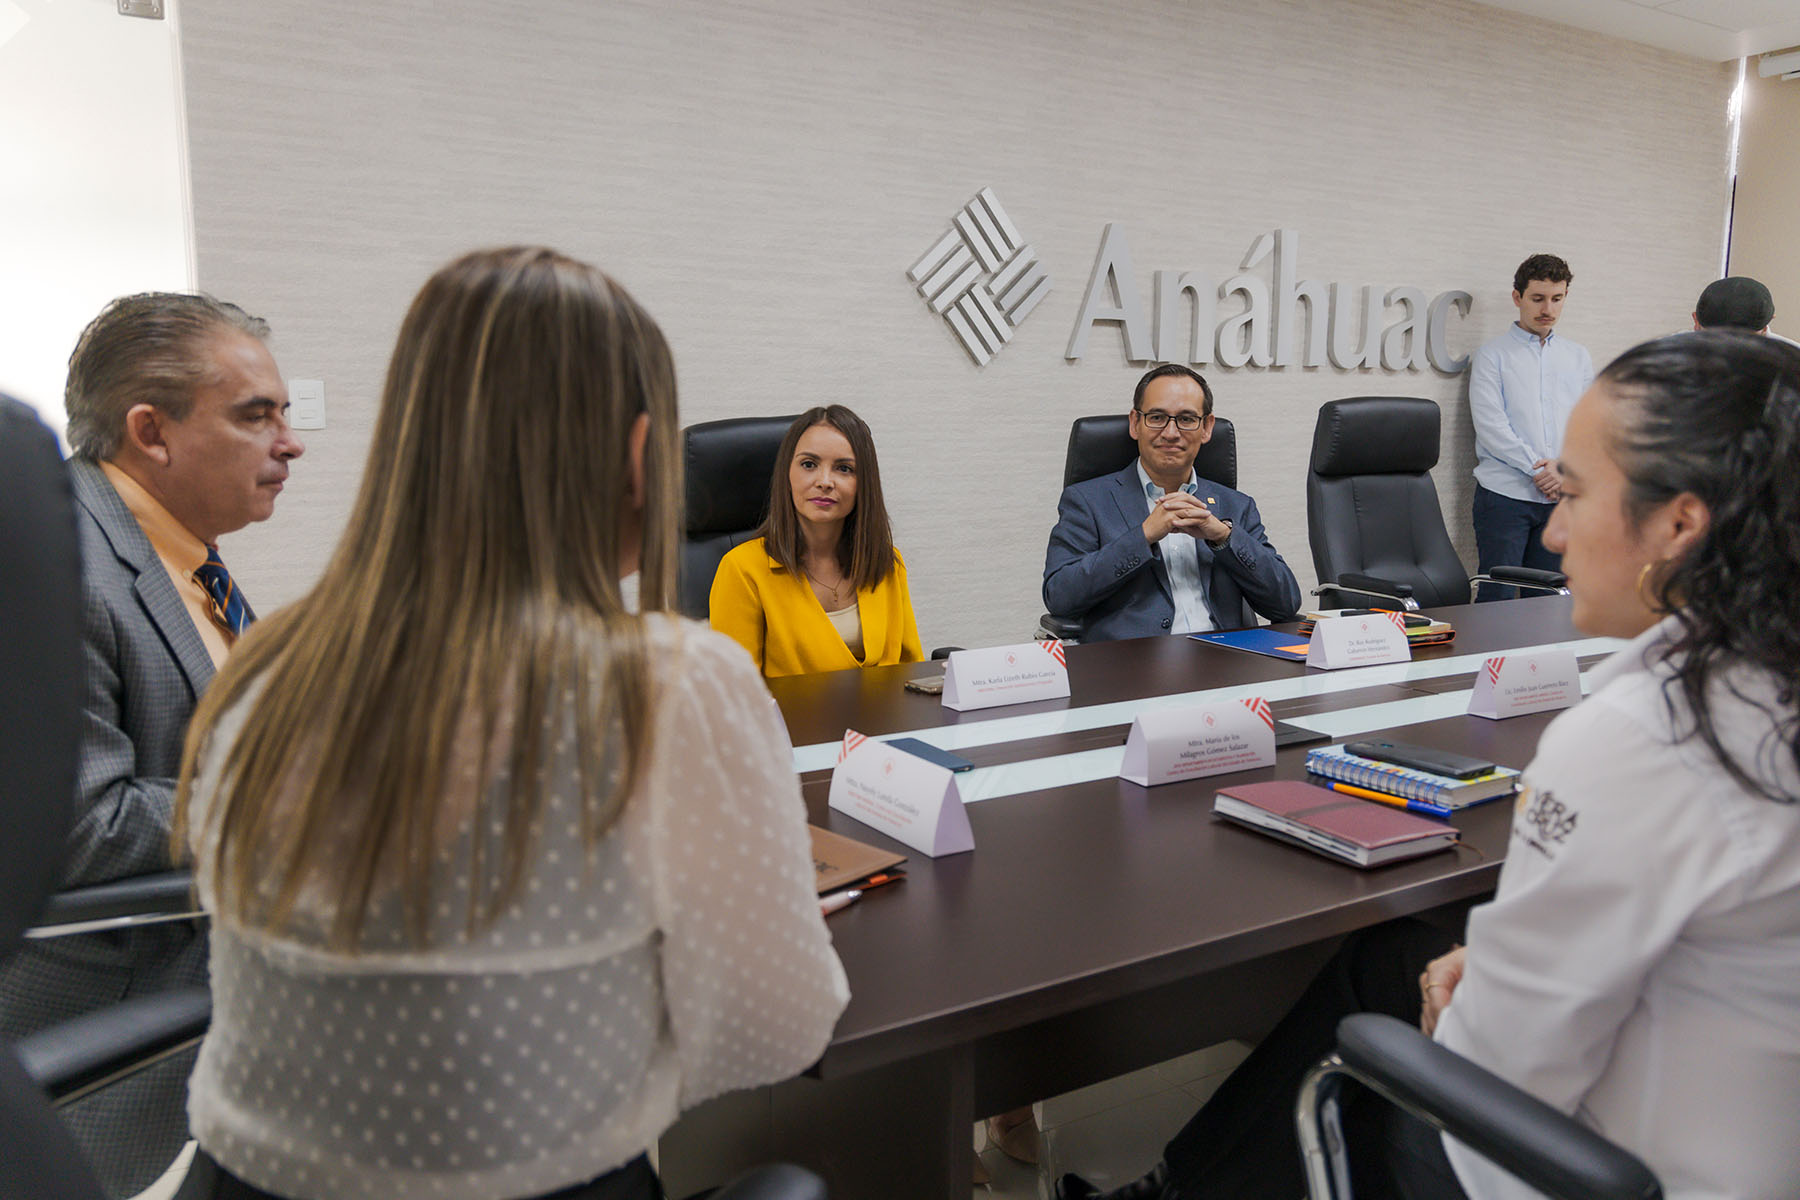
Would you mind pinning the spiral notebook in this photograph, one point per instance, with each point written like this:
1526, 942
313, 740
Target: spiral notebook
1335, 762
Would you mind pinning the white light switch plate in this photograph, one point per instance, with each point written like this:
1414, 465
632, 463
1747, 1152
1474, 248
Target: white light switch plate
308, 403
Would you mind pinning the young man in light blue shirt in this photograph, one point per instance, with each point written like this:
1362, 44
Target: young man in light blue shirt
1522, 386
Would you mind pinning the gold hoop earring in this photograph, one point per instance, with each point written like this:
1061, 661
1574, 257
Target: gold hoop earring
1643, 594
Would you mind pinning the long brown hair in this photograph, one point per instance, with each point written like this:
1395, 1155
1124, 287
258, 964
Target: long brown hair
473, 597
865, 549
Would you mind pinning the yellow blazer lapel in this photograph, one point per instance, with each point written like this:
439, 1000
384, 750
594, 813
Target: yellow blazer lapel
872, 609
814, 631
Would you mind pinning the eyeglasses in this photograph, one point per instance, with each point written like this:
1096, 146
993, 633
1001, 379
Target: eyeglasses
1155, 418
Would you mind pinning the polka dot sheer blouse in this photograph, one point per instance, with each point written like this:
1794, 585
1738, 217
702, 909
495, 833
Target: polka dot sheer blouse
683, 957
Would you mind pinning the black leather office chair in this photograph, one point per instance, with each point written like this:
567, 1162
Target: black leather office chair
728, 466
1548, 1149
1101, 445
86, 1053
1372, 512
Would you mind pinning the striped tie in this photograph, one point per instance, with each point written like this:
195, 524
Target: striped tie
228, 601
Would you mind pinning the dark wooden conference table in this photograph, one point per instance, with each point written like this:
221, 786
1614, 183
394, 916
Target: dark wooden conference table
1097, 928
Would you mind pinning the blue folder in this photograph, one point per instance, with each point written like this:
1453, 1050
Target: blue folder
1272, 642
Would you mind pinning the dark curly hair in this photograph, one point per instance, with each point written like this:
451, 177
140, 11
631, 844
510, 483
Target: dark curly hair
1717, 414
1546, 267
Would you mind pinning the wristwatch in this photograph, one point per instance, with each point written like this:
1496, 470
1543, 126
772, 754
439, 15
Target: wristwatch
1223, 540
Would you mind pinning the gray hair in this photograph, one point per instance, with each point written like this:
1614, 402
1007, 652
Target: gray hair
143, 349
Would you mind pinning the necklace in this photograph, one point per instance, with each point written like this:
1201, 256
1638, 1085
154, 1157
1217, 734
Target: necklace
831, 590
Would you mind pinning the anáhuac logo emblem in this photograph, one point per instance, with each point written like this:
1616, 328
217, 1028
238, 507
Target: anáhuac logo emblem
981, 277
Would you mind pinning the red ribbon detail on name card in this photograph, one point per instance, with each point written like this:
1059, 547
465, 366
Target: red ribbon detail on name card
852, 740
1493, 669
1260, 707
1055, 650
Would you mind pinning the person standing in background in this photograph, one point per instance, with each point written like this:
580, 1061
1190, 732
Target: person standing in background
1522, 387
1736, 302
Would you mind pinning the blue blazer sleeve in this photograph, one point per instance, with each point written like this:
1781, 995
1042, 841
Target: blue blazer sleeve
1257, 568
1080, 569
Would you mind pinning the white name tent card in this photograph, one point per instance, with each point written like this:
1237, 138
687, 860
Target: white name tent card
904, 796
1512, 685
1189, 743
1358, 641
1005, 675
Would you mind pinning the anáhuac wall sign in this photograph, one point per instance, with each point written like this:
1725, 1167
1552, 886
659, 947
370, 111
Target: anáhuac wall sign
1271, 318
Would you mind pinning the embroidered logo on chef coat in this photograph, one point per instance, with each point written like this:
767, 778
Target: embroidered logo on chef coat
1544, 821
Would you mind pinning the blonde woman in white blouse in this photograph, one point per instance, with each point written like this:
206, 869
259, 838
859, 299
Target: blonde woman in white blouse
502, 875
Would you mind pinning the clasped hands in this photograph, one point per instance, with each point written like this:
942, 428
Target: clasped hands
1178, 512
1547, 479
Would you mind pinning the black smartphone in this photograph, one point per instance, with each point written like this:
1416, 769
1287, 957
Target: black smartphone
930, 753
1423, 758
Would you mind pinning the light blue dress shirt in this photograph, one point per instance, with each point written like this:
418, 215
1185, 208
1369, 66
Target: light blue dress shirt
1181, 559
1521, 392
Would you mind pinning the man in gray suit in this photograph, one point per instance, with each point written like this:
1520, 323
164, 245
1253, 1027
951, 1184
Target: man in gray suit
178, 426
1155, 549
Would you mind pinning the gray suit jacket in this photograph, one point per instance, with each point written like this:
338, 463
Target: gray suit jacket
144, 668
1100, 568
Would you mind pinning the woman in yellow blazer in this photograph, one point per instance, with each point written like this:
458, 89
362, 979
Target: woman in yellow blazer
822, 588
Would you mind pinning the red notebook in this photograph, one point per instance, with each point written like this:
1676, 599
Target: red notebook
1343, 827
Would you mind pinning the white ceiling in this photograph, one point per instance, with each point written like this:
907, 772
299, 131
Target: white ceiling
1715, 29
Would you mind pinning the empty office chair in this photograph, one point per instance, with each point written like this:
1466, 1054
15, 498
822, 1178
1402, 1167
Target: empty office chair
1372, 512
728, 466
1547, 1148
1101, 445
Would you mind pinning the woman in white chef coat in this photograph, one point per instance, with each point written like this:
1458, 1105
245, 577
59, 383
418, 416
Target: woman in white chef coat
1640, 964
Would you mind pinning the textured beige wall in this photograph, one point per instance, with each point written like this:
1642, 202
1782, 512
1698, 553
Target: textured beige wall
762, 173
1765, 219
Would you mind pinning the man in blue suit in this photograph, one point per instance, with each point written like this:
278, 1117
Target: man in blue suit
1155, 549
